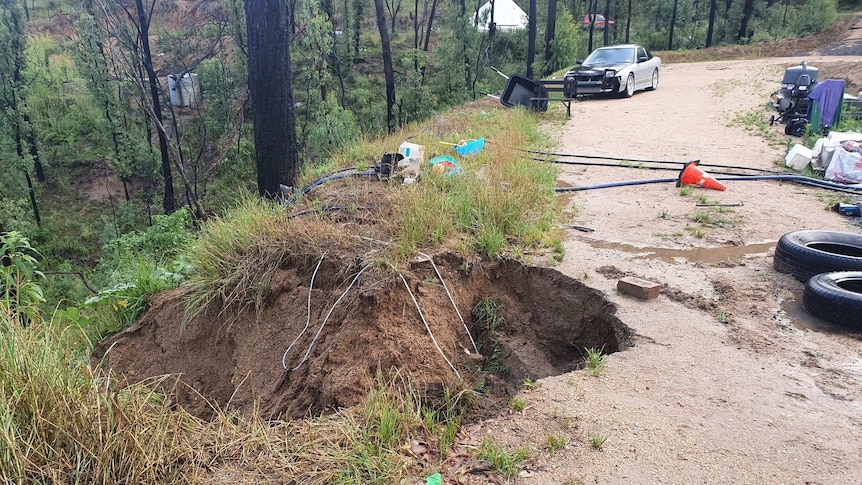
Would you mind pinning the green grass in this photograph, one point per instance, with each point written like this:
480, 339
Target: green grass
496, 363
517, 404
502, 460
530, 384
595, 360
488, 314
597, 441
685, 190
555, 443
757, 123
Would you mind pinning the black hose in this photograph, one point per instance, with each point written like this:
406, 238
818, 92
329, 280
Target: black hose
642, 160
646, 167
338, 174
823, 184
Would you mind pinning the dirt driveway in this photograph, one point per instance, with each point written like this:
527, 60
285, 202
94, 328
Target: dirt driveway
729, 380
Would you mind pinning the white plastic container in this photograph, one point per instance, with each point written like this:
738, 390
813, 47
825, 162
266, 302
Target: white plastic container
185, 91
411, 150
798, 157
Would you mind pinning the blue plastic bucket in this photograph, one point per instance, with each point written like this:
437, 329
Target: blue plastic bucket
472, 147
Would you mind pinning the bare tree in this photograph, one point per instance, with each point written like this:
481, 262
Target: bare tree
169, 203
393, 6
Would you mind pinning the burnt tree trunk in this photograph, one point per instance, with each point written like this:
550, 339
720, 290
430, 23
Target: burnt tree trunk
607, 32
271, 87
531, 39
388, 73
34, 152
629, 21
169, 203
747, 10
672, 22
33, 203
550, 31
430, 24
468, 74
713, 6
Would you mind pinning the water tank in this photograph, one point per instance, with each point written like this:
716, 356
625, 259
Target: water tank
185, 90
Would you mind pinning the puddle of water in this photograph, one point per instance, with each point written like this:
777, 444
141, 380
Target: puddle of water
694, 255
806, 321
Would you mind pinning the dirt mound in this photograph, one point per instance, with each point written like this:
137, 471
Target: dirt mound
541, 322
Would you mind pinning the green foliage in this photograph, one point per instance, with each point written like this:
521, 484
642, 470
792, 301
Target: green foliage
19, 293
815, 16
123, 303
160, 243
330, 128
502, 460
567, 43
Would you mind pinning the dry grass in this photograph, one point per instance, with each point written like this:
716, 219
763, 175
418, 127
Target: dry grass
62, 423
501, 202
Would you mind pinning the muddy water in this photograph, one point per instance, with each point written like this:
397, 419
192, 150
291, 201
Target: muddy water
806, 321
693, 255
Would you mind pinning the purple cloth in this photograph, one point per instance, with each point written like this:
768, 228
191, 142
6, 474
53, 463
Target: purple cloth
828, 93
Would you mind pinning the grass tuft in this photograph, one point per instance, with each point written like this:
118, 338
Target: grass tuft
502, 460
595, 360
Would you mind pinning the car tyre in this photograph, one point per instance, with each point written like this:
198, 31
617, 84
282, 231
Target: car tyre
835, 297
807, 253
629, 91
654, 84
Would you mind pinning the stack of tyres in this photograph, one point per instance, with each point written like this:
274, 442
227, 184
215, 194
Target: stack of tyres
830, 265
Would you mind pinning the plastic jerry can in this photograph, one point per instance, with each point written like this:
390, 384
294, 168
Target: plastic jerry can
411, 150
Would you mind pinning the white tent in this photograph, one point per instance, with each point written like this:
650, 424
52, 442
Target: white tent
507, 15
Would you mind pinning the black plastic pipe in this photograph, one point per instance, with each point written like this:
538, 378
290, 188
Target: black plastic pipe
644, 167
643, 160
790, 178
338, 174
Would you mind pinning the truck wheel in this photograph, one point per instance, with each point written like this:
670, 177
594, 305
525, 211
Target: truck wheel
807, 253
835, 297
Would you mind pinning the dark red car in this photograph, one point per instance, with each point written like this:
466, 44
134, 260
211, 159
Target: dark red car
600, 21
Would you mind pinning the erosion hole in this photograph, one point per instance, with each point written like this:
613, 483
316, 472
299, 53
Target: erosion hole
234, 360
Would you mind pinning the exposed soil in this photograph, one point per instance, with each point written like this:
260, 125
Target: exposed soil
235, 361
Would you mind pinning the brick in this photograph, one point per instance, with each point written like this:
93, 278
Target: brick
643, 289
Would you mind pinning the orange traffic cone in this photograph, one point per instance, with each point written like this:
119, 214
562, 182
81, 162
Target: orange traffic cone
691, 175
